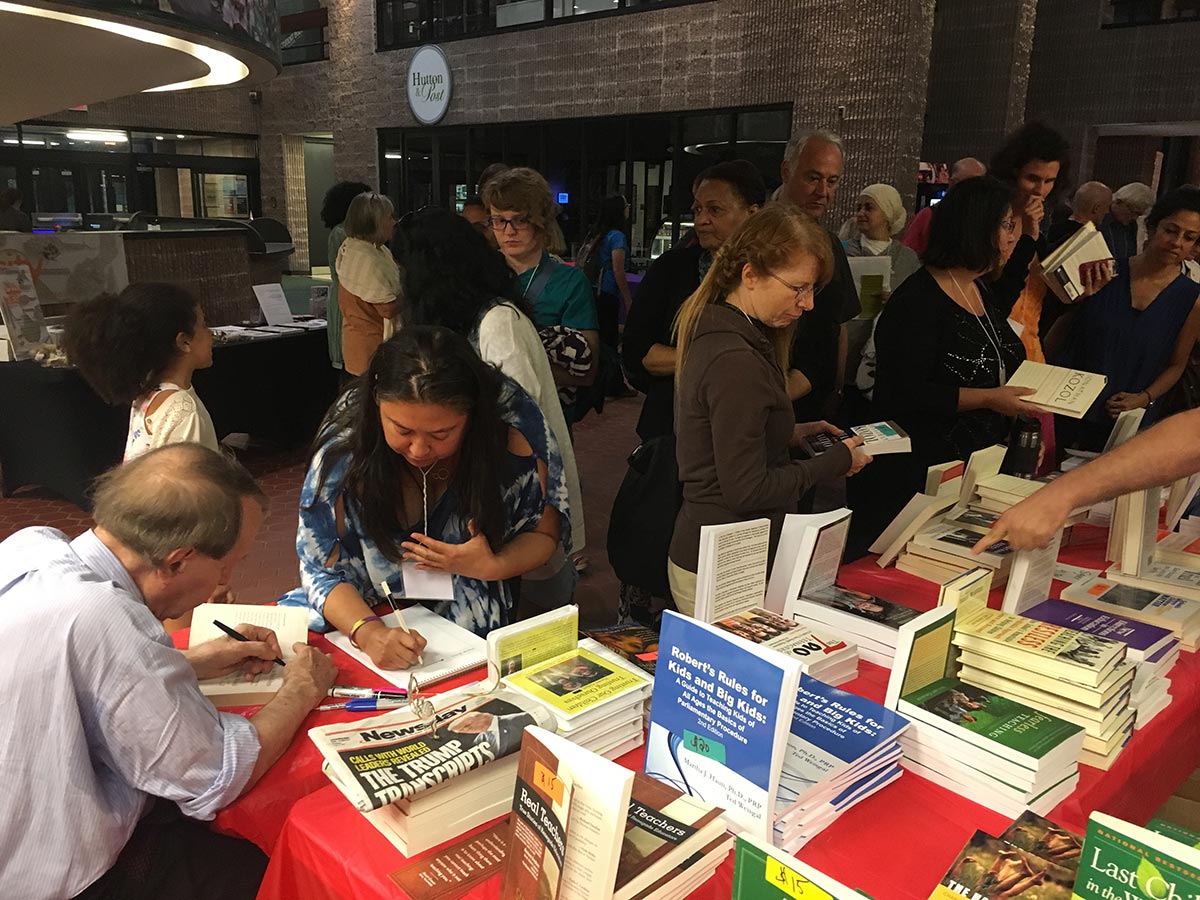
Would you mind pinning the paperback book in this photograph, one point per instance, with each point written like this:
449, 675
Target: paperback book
1143, 641
1180, 616
1123, 860
1041, 837
879, 438
523, 644
732, 571
760, 872
636, 643
988, 868
574, 683
537, 837
1061, 269
720, 715
1064, 392
290, 625
818, 652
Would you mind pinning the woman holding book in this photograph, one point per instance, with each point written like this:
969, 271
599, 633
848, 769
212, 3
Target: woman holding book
454, 279
734, 422
945, 350
1140, 329
433, 462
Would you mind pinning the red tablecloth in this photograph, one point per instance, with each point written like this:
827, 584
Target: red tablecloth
895, 845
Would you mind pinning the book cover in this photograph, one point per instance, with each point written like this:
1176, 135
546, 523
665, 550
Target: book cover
636, 643
537, 836
1086, 657
878, 438
1143, 640
662, 823
862, 605
452, 871
788, 636
988, 868
1175, 832
760, 872
979, 521
528, 643
719, 719
575, 682
1180, 615
959, 542
1061, 269
1043, 838
1066, 392
386, 758
831, 731
1132, 863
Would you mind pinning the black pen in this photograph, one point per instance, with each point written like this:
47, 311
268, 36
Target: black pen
240, 637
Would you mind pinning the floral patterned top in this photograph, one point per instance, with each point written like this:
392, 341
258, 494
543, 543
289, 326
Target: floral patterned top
478, 606
180, 418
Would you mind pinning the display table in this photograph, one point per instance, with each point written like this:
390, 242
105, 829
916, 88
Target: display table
896, 844
57, 433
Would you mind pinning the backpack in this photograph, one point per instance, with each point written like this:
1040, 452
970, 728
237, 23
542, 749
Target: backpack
588, 259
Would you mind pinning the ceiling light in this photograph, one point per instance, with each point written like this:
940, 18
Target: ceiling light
158, 137
33, 142
181, 136
11, 141
98, 137
385, 156
222, 67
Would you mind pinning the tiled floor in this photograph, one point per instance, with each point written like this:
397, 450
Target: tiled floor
602, 444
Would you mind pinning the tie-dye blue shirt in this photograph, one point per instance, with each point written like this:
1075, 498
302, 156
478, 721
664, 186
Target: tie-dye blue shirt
478, 605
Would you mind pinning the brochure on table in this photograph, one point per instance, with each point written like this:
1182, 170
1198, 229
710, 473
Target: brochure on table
273, 303
719, 720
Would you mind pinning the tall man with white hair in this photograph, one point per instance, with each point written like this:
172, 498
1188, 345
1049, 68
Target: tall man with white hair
1090, 204
916, 238
1121, 227
811, 173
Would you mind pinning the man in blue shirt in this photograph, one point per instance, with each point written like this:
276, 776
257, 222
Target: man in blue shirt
108, 750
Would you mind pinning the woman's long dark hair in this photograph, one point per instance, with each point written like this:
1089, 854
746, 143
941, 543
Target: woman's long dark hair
611, 217
337, 201
451, 275
431, 365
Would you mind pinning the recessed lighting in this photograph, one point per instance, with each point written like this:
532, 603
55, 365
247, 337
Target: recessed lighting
222, 67
98, 137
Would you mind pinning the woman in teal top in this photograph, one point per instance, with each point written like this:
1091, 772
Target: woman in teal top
333, 214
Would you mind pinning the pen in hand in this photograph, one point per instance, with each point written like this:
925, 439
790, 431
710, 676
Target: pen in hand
240, 637
387, 593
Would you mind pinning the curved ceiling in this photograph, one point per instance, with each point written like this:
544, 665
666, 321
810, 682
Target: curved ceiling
59, 56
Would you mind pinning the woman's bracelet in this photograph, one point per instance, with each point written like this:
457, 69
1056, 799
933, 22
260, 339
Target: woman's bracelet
1149, 399
359, 624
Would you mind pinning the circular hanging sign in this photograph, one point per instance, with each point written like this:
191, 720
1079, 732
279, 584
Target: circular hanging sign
429, 84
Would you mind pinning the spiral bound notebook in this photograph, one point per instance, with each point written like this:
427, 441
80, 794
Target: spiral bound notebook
450, 649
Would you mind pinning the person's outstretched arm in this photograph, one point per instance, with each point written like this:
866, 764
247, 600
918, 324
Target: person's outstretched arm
1164, 453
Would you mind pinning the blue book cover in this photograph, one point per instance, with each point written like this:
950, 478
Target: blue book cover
832, 732
719, 720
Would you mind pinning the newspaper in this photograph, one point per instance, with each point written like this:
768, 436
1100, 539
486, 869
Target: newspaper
386, 758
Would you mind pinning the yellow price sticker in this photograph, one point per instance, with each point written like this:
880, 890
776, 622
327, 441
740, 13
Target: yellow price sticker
547, 782
792, 882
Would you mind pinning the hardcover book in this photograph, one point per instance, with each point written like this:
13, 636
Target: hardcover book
988, 868
1070, 654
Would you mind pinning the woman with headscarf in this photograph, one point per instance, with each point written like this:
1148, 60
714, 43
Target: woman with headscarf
879, 216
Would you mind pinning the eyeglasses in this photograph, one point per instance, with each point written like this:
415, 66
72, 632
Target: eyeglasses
800, 290
517, 223
1009, 225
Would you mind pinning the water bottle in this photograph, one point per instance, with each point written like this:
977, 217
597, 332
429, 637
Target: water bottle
1024, 448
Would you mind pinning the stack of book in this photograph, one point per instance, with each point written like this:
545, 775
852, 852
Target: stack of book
990, 748
1153, 650
598, 698
1033, 860
872, 622
423, 777
943, 551
821, 654
1078, 677
842, 749
1178, 615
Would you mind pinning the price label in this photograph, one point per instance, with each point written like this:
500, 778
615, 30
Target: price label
547, 782
792, 882
705, 746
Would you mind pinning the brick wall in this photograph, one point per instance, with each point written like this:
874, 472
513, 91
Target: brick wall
978, 76
1083, 75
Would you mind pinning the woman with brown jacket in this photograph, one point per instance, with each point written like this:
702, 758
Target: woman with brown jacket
734, 423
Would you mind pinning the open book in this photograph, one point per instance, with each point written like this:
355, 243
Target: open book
290, 624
